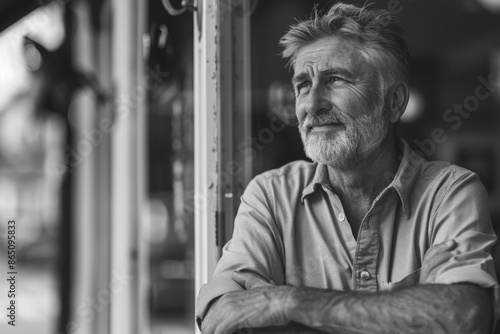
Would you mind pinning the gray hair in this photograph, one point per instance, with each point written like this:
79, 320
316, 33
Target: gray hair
378, 32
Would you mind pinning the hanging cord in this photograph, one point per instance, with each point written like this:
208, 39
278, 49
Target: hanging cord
186, 5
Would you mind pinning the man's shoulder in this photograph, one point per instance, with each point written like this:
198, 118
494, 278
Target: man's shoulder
417, 170
286, 184
438, 179
443, 170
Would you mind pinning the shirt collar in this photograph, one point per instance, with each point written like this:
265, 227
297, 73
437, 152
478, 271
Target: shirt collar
402, 182
320, 177
408, 171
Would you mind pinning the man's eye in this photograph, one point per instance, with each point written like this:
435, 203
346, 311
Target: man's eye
334, 79
304, 84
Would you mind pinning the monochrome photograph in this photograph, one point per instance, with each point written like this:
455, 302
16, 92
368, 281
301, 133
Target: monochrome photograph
249, 166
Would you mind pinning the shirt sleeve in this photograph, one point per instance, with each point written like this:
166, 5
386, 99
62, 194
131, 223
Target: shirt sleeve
255, 248
464, 216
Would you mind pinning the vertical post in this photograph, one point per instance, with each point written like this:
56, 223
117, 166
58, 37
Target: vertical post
127, 165
142, 233
67, 231
222, 122
84, 266
66, 234
206, 144
102, 181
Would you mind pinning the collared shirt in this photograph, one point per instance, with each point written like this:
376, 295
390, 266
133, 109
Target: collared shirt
291, 228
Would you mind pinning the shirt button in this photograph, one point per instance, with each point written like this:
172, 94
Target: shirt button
365, 275
341, 216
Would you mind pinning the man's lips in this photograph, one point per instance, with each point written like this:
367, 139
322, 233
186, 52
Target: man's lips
325, 127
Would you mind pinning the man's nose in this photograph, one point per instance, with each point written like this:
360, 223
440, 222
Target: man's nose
317, 101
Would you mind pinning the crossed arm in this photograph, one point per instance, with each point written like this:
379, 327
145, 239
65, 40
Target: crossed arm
419, 309
424, 308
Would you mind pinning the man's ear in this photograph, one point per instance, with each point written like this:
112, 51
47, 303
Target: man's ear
398, 99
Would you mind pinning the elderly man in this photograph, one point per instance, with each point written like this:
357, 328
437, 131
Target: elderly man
370, 238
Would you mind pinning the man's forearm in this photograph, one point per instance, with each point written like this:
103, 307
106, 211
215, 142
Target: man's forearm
420, 309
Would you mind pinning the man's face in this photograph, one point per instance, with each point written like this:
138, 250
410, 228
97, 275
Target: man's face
339, 103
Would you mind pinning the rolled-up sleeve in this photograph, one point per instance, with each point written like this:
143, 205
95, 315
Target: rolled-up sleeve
464, 215
255, 248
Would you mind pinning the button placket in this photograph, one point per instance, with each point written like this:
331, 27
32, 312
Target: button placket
365, 264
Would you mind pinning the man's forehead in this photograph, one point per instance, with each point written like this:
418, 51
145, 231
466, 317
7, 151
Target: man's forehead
327, 53
322, 65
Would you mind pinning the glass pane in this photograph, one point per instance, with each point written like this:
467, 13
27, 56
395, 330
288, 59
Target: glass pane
171, 175
273, 101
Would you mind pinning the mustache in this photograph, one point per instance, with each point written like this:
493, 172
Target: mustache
311, 121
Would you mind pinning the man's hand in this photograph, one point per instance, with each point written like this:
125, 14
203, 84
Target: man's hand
261, 305
435, 256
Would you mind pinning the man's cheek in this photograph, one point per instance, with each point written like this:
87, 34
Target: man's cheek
364, 94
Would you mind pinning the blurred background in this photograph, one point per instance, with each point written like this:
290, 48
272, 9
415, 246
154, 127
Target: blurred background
127, 134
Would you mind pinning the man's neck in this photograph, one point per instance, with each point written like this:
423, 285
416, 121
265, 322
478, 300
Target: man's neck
365, 181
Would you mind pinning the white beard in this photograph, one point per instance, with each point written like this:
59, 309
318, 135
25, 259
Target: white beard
346, 147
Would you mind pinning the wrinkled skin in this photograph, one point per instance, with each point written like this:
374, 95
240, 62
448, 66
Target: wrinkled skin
339, 103
262, 304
